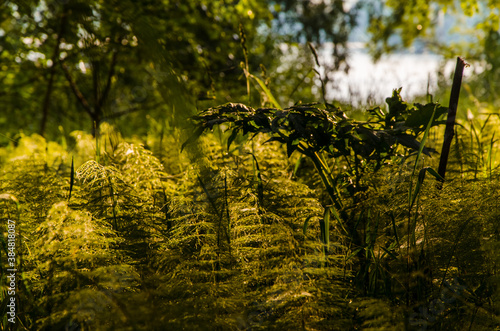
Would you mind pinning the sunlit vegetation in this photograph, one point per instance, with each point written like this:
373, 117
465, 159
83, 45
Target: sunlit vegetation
235, 238
166, 172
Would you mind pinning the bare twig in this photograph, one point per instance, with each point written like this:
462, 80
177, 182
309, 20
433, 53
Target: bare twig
131, 110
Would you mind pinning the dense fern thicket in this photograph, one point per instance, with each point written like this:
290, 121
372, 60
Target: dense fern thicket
148, 238
265, 211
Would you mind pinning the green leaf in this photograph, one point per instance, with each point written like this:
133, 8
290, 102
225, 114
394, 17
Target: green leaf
231, 138
397, 106
422, 115
393, 220
424, 139
260, 184
337, 217
411, 142
266, 91
420, 181
291, 146
421, 177
279, 139
297, 164
306, 224
197, 133
434, 173
377, 112
354, 253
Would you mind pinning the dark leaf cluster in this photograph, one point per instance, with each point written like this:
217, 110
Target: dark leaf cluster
312, 128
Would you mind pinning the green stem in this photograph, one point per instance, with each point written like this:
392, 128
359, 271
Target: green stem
325, 176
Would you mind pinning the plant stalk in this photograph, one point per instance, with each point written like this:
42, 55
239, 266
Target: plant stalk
452, 114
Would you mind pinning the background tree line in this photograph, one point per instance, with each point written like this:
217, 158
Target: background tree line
78, 62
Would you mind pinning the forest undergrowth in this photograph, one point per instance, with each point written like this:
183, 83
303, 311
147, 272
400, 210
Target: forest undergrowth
240, 234
210, 193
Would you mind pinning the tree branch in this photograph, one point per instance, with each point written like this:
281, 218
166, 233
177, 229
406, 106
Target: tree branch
110, 77
131, 110
76, 90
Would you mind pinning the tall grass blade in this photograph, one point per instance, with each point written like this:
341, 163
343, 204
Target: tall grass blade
337, 217
485, 123
326, 232
394, 228
475, 134
266, 90
354, 253
210, 199
420, 181
297, 165
226, 205
260, 184
457, 239
243, 41
424, 139
306, 224
411, 198
71, 177
490, 154
388, 252
97, 148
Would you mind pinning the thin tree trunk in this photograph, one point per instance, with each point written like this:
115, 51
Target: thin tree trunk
76, 91
55, 56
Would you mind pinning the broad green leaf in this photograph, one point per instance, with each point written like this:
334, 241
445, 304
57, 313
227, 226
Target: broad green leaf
411, 142
197, 133
231, 138
418, 119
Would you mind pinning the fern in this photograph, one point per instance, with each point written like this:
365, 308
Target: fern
225, 237
76, 272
